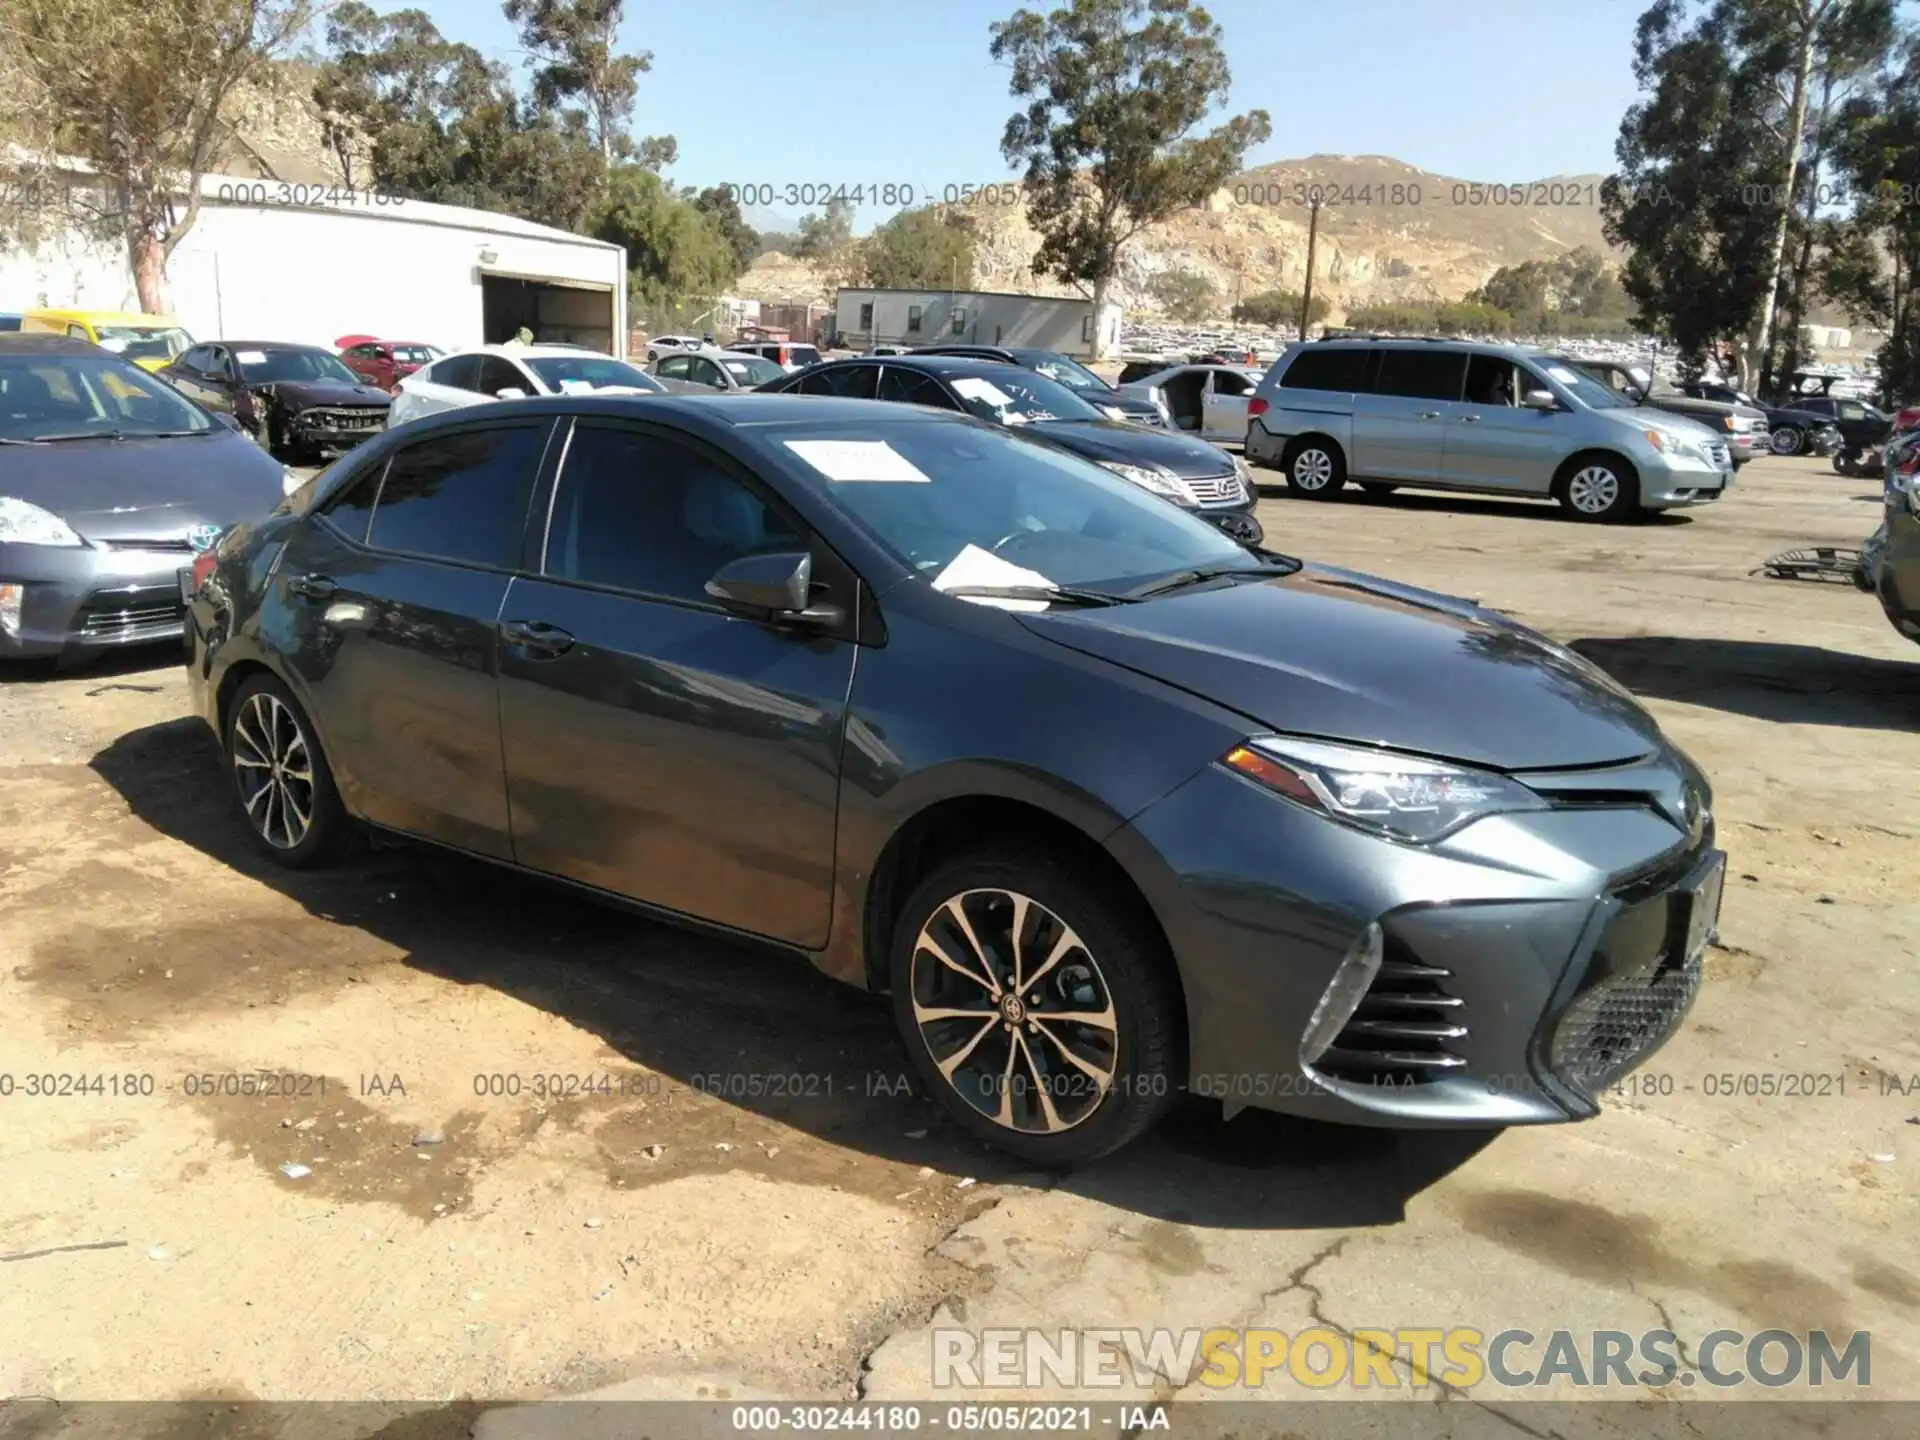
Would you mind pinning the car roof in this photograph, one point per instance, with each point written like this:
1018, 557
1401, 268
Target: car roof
265, 345
933, 364
28, 342
740, 411
531, 352
105, 317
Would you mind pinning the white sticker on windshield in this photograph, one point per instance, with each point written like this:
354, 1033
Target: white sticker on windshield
576, 387
847, 461
1562, 374
974, 566
251, 357
974, 388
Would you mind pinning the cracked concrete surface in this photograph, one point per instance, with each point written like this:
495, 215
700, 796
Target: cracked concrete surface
813, 1244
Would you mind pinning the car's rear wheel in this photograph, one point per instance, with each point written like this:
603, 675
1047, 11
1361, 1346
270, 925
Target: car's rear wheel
1315, 468
1598, 488
286, 790
1788, 439
1040, 1013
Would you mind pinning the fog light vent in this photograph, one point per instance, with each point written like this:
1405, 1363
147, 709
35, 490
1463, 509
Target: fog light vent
1343, 994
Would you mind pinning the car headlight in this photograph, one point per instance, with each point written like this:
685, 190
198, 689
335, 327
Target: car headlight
1245, 473
25, 524
1403, 797
1156, 478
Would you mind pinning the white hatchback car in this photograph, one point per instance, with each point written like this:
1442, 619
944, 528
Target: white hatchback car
513, 372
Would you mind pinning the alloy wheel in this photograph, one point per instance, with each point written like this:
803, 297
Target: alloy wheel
1014, 1011
1786, 441
1313, 469
1593, 490
273, 768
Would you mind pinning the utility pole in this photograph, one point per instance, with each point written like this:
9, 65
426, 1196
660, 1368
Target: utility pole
1313, 234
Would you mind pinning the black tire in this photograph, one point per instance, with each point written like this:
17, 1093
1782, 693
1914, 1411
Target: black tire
1377, 489
1845, 464
1059, 1116
1600, 489
1788, 440
1315, 468
263, 722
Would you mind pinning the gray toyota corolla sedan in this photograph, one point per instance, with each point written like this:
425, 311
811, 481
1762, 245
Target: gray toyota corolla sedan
1111, 805
110, 483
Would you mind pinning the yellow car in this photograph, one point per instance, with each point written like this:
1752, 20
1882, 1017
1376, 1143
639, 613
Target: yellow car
149, 341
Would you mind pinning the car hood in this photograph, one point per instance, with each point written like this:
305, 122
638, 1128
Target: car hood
324, 392
1134, 445
151, 489
1652, 416
1338, 655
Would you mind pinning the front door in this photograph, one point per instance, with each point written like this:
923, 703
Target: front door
657, 746
392, 608
1400, 430
1495, 443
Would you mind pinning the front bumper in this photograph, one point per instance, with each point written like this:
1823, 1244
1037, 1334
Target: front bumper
92, 597
1530, 960
1671, 480
335, 433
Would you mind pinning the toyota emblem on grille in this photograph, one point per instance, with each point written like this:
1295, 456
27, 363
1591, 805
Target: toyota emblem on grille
201, 537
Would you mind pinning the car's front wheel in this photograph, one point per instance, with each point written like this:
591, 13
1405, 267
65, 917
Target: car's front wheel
1315, 468
1598, 487
286, 791
1788, 440
1038, 1010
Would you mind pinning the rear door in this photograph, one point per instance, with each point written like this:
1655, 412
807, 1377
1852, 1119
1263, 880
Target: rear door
656, 745
1225, 406
393, 604
1400, 430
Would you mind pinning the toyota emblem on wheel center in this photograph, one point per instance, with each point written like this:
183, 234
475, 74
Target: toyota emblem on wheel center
201, 537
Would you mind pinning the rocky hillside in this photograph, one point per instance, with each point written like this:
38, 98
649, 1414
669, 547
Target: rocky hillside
1387, 232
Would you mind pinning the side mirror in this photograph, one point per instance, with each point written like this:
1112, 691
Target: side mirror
1540, 400
771, 587
510, 392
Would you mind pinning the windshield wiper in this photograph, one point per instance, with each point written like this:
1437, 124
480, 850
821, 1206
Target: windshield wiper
82, 435
1180, 579
1051, 594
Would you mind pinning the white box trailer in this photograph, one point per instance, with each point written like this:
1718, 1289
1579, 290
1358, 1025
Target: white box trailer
309, 264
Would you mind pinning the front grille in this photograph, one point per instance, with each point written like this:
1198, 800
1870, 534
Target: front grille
1718, 453
1609, 1027
128, 620
1401, 1031
1217, 490
350, 420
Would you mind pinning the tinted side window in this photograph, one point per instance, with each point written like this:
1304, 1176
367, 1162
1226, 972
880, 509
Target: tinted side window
1421, 374
197, 358
655, 517
1492, 381
1344, 370
674, 367
459, 371
497, 375
352, 506
854, 382
462, 496
912, 388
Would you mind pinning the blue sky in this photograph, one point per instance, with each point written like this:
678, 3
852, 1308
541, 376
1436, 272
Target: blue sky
852, 92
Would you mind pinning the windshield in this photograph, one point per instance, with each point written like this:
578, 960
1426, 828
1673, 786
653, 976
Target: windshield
268, 367
750, 370
1073, 375
1584, 388
42, 396
1020, 512
144, 342
589, 372
1012, 396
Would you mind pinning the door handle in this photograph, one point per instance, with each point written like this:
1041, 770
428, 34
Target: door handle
1469, 419
311, 587
1429, 414
544, 640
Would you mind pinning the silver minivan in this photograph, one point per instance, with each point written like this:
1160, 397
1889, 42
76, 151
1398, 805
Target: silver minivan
1462, 415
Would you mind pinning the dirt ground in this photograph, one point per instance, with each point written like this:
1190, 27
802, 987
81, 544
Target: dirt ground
540, 1147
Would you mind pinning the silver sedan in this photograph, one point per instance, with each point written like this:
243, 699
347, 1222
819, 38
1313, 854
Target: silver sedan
711, 372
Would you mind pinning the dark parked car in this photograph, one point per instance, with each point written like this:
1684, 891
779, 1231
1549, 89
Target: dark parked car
1863, 428
1109, 804
1115, 404
110, 484
1186, 472
1792, 431
297, 400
